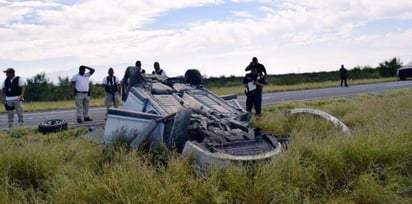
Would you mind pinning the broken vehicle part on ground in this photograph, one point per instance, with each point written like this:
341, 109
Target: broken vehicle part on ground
336, 122
184, 116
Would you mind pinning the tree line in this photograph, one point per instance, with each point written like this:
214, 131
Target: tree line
384, 69
40, 88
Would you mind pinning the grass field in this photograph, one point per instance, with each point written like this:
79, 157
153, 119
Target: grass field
321, 165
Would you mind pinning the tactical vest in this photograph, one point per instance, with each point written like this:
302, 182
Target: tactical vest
112, 85
159, 72
12, 88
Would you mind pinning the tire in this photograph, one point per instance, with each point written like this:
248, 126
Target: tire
193, 77
55, 125
179, 131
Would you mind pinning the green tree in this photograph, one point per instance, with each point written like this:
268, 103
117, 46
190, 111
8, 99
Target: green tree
388, 67
61, 91
38, 88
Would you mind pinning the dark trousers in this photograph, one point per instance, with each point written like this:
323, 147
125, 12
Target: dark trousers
342, 81
254, 99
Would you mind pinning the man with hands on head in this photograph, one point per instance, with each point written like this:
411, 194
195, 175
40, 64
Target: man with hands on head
79, 88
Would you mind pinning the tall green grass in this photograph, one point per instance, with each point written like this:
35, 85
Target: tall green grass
372, 164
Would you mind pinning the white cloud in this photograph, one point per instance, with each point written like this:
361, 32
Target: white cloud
32, 4
290, 33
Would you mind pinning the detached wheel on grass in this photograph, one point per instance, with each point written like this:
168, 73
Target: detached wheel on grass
55, 125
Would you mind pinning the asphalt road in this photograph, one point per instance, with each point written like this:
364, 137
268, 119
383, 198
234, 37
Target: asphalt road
98, 114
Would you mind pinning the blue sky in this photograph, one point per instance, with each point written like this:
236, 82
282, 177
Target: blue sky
217, 37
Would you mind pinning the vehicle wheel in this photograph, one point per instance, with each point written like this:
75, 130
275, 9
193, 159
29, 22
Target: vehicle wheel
54, 125
179, 132
193, 77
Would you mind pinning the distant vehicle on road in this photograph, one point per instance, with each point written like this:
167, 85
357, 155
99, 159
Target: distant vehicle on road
405, 71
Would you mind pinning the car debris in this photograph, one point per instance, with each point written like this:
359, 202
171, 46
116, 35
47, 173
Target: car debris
322, 114
182, 115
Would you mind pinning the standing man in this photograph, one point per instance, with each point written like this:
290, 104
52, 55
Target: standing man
343, 76
13, 96
131, 77
112, 89
254, 82
260, 69
79, 87
159, 72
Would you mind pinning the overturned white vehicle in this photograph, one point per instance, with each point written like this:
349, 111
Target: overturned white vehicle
182, 115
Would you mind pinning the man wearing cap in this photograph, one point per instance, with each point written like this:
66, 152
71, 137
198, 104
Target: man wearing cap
112, 89
13, 95
79, 87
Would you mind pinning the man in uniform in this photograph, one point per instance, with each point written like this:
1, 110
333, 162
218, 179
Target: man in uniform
13, 96
79, 87
343, 76
260, 70
254, 82
112, 89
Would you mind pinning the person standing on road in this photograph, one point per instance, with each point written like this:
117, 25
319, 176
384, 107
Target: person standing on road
343, 76
254, 82
159, 72
13, 96
79, 87
112, 89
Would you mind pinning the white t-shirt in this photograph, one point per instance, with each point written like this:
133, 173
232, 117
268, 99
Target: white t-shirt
162, 75
81, 82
